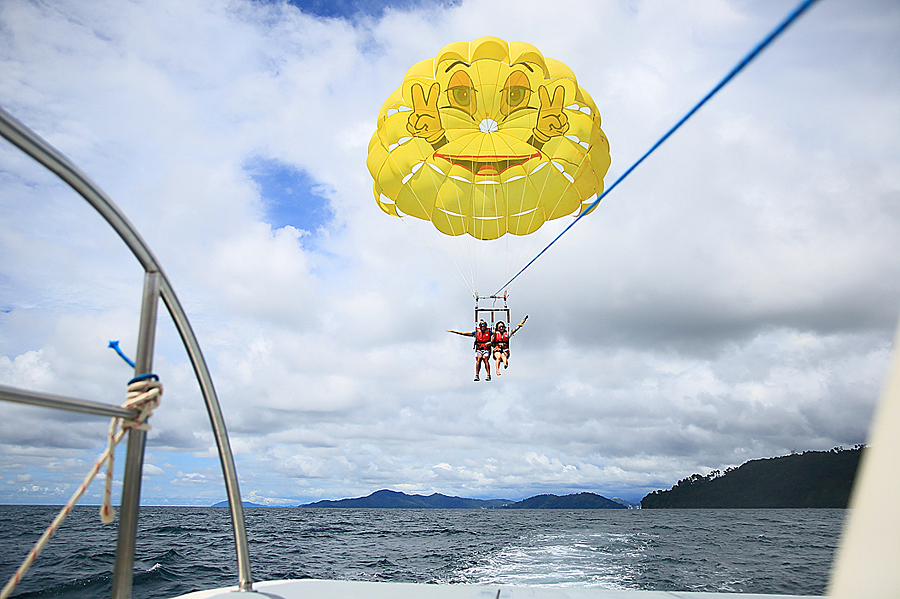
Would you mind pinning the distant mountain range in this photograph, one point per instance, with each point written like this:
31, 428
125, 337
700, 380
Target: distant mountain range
812, 479
397, 500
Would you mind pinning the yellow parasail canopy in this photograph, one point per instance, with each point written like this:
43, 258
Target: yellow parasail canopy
488, 138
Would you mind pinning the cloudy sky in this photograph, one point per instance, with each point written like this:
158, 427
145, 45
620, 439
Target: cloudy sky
734, 298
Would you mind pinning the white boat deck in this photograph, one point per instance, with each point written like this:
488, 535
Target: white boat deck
336, 589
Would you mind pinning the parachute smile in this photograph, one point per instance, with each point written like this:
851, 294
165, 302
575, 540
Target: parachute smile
487, 166
476, 217
489, 217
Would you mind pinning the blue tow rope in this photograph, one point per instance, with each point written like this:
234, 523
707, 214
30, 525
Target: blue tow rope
801, 8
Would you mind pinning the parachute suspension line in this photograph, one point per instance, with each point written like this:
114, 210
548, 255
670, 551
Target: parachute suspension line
479, 209
516, 251
505, 256
525, 253
519, 247
522, 247
403, 218
457, 272
778, 30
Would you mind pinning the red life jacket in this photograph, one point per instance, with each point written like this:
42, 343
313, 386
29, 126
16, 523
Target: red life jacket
501, 340
482, 339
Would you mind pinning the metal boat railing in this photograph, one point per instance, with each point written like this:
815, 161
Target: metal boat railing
156, 286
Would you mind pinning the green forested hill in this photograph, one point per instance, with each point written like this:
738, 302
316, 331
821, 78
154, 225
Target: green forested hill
816, 479
576, 501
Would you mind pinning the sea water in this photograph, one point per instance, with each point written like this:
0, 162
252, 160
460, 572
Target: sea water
181, 549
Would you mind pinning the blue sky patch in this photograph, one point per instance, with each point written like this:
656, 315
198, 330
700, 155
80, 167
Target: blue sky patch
352, 8
290, 196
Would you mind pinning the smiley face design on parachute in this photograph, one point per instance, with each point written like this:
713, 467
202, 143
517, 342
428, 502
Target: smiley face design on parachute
488, 138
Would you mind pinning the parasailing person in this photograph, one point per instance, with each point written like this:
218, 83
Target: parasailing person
482, 336
500, 343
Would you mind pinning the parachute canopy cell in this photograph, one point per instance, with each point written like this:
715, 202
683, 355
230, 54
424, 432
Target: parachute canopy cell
488, 138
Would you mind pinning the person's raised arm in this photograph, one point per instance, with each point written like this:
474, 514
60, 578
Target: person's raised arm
518, 326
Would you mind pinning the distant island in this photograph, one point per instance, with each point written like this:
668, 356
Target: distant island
395, 499
577, 501
812, 479
388, 499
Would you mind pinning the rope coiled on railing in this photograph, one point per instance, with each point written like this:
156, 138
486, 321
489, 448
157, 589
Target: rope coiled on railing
144, 394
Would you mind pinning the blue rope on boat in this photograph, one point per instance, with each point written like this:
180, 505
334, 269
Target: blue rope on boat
115, 346
801, 8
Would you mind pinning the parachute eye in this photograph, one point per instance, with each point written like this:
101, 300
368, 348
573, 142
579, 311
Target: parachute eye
461, 92
462, 95
516, 93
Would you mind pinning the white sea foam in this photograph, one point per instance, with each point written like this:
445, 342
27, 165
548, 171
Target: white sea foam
563, 560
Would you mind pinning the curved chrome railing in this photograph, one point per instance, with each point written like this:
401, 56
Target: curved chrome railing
156, 285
